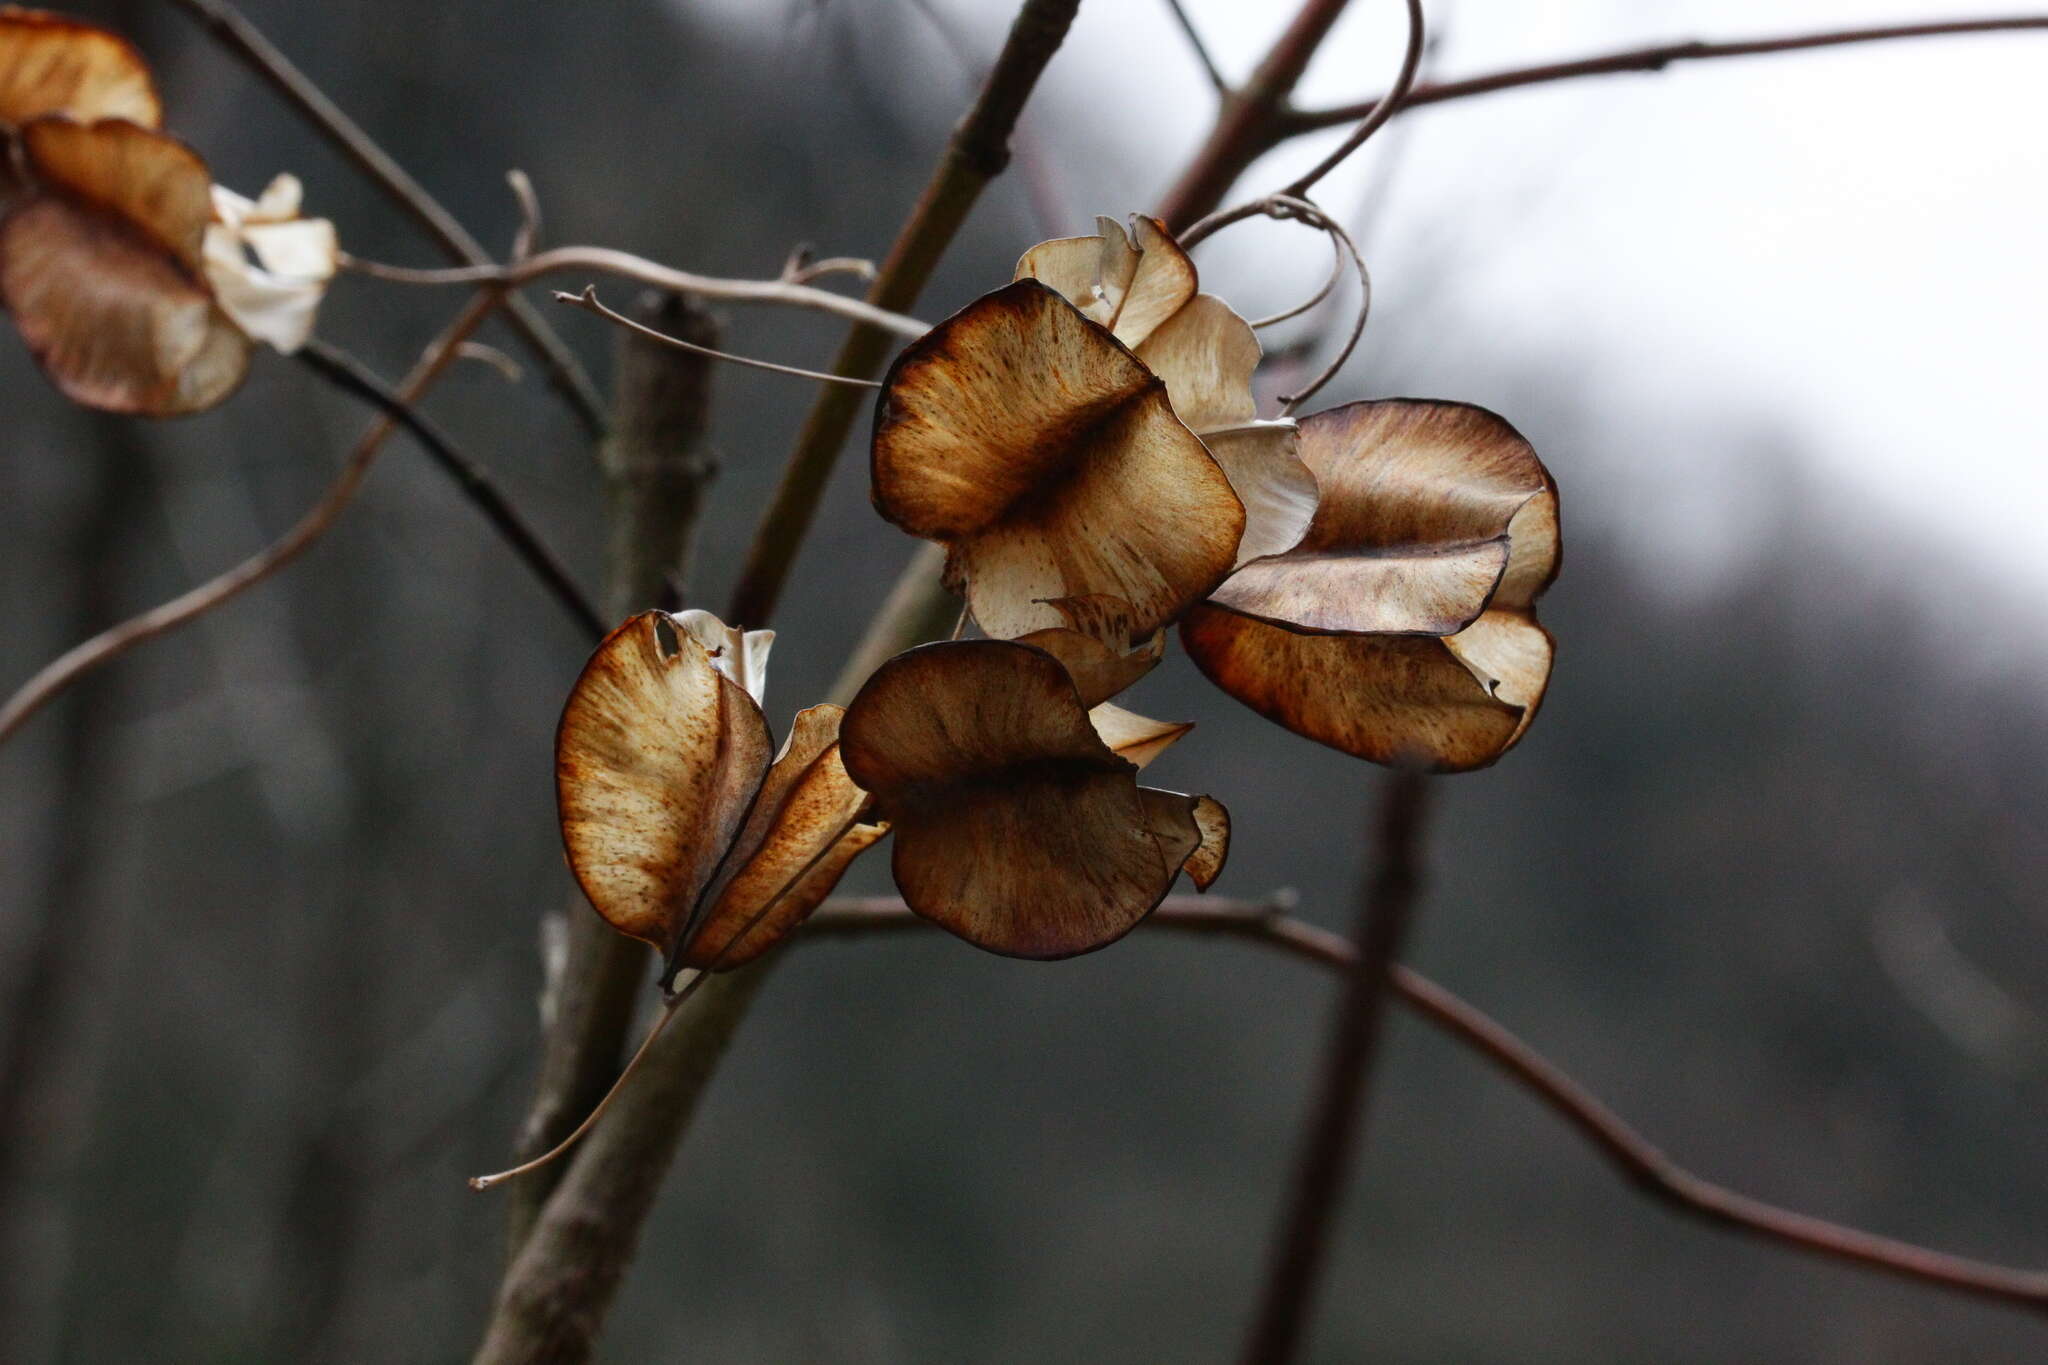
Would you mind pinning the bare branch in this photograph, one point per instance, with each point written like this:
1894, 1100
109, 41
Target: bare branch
589, 302
628, 266
234, 32
1654, 58
1634, 1156
340, 368
117, 640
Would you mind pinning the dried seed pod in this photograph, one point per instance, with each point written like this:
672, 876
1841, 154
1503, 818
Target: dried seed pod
101, 268
1403, 628
1017, 828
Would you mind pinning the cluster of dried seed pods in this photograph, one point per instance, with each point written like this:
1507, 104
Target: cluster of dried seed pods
1085, 444
138, 285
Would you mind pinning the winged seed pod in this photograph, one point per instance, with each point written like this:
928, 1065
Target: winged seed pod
1088, 430
1403, 627
52, 64
677, 825
1017, 827
128, 290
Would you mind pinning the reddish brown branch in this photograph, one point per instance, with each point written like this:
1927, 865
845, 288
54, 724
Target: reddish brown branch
1260, 117
1638, 1159
1649, 59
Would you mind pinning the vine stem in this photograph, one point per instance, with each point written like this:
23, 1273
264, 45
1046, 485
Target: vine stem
112, 643
1632, 1155
232, 29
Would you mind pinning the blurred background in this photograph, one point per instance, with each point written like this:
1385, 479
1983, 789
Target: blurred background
1767, 875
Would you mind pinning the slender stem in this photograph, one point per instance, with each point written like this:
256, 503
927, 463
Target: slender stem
675, 1003
1201, 48
590, 303
1331, 1139
234, 32
977, 152
344, 371
1654, 58
1633, 1156
624, 264
117, 640
1375, 118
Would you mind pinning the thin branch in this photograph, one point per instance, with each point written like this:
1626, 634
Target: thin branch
589, 303
628, 266
1376, 117
340, 368
977, 152
1654, 58
117, 640
1330, 1140
1201, 48
234, 32
1633, 1156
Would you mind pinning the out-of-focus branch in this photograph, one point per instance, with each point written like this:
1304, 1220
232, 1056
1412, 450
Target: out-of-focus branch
1633, 1156
657, 465
977, 152
233, 30
1331, 1137
344, 371
1654, 58
115, 641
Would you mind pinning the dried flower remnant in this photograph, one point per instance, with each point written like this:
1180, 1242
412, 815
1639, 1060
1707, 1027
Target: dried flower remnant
270, 267
678, 826
1017, 827
1403, 627
101, 266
